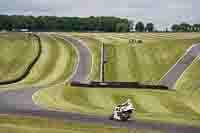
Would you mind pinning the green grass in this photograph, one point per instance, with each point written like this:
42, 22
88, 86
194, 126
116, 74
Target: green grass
189, 81
150, 105
18, 50
55, 65
145, 62
57, 62
189, 84
24, 124
154, 57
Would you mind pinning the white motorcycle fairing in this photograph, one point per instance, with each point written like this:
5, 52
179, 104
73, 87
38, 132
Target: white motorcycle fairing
122, 113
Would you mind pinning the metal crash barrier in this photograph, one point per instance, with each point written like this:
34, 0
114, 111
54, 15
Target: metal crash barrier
134, 85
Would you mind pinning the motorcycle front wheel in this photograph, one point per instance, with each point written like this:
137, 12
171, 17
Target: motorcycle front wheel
125, 116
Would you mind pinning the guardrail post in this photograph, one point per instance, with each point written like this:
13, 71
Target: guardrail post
103, 61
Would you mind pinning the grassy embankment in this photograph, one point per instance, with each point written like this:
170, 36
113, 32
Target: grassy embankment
56, 63
189, 85
145, 62
18, 52
44, 97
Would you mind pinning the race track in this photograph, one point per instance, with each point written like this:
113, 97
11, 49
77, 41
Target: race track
22, 98
20, 101
170, 78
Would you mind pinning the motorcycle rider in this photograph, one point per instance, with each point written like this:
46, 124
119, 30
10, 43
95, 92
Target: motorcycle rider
123, 111
127, 103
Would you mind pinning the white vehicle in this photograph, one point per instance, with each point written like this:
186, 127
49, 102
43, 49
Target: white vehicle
123, 112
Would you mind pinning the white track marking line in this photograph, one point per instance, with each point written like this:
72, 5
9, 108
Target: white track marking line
174, 86
78, 55
82, 42
187, 51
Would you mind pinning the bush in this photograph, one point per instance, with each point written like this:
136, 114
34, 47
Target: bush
139, 41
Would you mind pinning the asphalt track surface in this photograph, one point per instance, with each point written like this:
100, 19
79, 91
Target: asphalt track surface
20, 102
170, 78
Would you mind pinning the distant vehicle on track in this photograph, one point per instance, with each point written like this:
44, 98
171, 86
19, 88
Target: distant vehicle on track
134, 42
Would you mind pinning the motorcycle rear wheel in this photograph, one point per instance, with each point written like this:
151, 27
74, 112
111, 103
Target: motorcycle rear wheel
111, 117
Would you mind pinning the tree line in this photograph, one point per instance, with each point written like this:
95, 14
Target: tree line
140, 27
83, 24
53, 23
185, 27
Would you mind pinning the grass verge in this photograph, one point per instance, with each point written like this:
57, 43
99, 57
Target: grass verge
144, 62
15, 65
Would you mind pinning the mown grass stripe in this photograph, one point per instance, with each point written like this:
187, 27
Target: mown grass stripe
26, 58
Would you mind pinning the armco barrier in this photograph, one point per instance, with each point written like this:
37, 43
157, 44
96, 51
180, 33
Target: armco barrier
135, 85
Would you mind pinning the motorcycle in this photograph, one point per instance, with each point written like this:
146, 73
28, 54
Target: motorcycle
122, 112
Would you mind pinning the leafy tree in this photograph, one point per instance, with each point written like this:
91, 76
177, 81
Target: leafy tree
53, 23
149, 27
130, 25
184, 27
196, 28
175, 28
139, 27
122, 27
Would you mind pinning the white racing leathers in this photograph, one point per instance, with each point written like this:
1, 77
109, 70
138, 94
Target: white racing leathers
122, 112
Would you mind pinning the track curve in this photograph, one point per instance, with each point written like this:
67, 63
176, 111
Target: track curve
170, 78
21, 99
85, 59
20, 102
